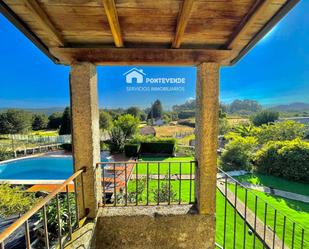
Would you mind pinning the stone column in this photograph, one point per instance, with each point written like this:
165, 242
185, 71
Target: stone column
86, 136
206, 133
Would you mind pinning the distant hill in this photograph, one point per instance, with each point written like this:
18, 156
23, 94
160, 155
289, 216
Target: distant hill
47, 111
293, 107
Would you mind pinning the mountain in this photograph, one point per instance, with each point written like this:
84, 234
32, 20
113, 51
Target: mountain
297, 106
47, 111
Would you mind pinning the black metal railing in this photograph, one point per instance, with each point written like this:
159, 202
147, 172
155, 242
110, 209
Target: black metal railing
48, 224
247, 220
147, 183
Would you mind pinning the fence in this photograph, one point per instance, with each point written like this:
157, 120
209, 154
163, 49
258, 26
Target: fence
246, 220
147, 183
53, 220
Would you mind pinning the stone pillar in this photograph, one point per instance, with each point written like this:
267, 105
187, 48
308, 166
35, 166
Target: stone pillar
86, 136
206, 133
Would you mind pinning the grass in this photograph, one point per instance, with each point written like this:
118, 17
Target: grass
295, 211
154, 168
186, 140
185, 198
276, 182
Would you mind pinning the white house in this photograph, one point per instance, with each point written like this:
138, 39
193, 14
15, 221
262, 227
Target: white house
134, 75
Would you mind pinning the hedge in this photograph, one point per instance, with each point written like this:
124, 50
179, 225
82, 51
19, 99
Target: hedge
287, 159
131, 150
67, 147
158, 147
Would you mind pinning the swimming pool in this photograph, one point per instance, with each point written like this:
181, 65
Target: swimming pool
39, 168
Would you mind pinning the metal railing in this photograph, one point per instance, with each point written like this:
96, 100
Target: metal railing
144, 183
247, 220
53, 219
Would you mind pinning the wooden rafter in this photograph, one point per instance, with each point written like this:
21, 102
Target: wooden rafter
112, 16
140, 56
183, 19
256, 10
44, 21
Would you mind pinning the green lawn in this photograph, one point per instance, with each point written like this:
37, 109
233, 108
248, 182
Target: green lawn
185, 198
276, 182
163, 167
294, 211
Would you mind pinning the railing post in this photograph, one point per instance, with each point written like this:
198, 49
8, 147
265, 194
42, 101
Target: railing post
86, 136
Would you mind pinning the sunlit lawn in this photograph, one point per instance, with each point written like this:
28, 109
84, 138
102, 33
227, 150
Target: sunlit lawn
295, 211
276, 182
185, 198
165, 163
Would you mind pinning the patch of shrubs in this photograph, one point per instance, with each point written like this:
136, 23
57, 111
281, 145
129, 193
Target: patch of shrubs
150, 145
288, 159
238, 153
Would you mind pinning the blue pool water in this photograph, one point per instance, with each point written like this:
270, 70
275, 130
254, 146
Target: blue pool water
39, 168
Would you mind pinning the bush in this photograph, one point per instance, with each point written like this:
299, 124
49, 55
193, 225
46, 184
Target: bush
288, 159
67, 147
158, 147
281, 131
14, 201
131, 150
5, 154
238, 153
117, 140
264, 117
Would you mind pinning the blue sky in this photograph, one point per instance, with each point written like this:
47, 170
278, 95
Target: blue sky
276, 71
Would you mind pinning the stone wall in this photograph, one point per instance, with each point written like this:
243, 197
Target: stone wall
154, 227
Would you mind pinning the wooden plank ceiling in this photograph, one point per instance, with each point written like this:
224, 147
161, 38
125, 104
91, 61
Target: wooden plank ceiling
143, 31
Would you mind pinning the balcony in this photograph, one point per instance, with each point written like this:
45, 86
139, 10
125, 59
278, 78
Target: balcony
110, 209
152, 203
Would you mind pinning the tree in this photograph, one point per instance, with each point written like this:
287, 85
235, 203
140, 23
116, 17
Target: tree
264, 117
105, 120
117, 139
15, 121
65, 122
55, 120
128, 124
39, 122
134, 111
156, 110
244, 105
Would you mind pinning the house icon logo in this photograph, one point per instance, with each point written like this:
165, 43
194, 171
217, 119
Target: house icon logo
134, 75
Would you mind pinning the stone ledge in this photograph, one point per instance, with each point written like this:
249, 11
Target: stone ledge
154, 227
153, 211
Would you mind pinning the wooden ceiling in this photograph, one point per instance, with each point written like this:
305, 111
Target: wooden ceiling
145, 31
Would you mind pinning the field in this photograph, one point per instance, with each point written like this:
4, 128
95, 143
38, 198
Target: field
171, 130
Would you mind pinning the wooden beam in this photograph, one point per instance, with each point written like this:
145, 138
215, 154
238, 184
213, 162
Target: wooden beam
44, 21
183, 19
112, 16
257, 9
140, 56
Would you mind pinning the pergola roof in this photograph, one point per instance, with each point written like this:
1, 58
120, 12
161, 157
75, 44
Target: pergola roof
145, 31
